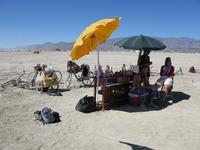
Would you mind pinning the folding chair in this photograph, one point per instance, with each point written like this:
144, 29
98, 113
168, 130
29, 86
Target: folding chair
169, 93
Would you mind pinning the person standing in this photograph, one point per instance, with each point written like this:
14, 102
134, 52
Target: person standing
145, 60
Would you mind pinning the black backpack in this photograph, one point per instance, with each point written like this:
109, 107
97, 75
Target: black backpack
86, 104
85, 70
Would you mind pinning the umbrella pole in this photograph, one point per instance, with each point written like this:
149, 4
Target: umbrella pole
97, 88
139, 56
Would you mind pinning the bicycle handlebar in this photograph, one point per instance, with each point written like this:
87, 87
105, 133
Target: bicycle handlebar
22, 74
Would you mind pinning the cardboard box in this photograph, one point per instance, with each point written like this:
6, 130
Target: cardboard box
134, 99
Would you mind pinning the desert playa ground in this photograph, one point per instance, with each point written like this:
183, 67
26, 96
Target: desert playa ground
174, 127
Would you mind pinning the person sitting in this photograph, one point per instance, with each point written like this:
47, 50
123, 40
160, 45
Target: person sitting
138, 88
145, 60
166, 73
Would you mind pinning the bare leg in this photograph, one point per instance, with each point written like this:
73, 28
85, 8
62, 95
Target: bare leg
166, 88
157, 92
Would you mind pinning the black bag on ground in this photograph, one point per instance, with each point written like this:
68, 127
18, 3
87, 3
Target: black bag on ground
86, 104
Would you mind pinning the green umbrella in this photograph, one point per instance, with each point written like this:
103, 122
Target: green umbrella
140, 42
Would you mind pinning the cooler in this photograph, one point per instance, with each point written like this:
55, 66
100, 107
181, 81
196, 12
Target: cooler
134, 99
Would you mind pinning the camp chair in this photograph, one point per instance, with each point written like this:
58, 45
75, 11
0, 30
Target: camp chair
169, 93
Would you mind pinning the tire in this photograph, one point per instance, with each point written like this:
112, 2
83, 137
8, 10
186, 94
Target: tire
31, 78
68, 80
39, 86
59, 75
56, 86
7, 83
87, 81
26, 86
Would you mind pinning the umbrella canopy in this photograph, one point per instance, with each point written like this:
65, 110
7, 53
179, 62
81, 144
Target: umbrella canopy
91, 37
95, 34
141, 42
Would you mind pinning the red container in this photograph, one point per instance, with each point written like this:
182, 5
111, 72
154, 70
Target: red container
134, 99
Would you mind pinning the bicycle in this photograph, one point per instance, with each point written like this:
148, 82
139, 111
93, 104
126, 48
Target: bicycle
17, 82
180, 70
82, 74
38, 79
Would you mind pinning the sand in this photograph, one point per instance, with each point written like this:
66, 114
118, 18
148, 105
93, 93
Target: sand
175, 127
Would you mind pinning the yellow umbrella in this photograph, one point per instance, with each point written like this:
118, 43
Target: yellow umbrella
86, 42
91, 37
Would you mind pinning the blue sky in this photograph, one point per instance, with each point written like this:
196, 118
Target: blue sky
29, 22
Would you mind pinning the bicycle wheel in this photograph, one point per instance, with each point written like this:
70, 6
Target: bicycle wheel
39, 86
59, 75
56, 86
68, 80
31, 78
27, 86
7, 83
87, 81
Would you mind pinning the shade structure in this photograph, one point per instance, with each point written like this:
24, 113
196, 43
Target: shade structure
86, 42
91, 37
140, 42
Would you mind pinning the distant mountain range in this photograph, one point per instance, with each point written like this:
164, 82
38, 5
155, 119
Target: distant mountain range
182, 44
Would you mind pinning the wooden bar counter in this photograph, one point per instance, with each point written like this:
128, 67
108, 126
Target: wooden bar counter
114, 89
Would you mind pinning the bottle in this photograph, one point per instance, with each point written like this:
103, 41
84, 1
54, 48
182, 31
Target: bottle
107, 71
111, 72
120, 73
100, 71
123, 69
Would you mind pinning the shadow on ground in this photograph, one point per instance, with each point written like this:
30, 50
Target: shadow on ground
136, 147
76, 86
178, 97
